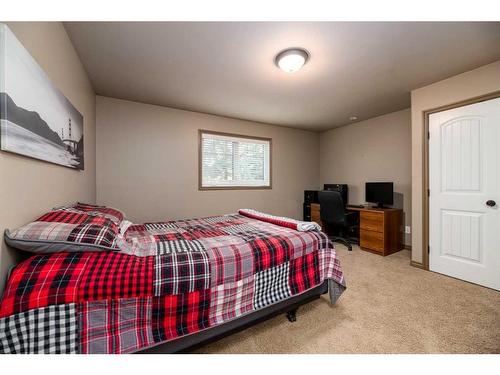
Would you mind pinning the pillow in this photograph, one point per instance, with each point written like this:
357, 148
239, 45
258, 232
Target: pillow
66, 229
113, 214
124, 225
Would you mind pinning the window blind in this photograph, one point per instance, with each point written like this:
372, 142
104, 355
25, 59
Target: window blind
234, 161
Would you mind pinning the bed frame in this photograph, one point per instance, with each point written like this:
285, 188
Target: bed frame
289, 306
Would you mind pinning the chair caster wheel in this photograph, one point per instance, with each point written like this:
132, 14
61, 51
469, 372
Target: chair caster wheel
292, 316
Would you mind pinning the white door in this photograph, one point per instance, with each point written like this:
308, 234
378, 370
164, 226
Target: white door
464, 183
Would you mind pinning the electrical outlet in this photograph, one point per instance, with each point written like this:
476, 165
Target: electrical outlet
407, 229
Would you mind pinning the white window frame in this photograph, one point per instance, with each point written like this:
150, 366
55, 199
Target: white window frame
230, 185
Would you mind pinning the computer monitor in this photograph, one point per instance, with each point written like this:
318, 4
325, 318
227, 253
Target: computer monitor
380, 193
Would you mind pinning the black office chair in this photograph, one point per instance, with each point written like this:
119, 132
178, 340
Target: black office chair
333, 214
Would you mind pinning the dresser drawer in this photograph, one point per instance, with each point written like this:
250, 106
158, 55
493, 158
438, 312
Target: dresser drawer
371, 240
373, 221
315, 214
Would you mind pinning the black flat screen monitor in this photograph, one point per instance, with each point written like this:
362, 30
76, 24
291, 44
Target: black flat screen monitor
380, 193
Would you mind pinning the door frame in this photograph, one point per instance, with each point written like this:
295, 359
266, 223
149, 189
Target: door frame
425, 166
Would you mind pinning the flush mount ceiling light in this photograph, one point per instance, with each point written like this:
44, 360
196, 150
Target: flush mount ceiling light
353, 118
292, 59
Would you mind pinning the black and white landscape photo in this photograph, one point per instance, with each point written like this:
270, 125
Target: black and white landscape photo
37, 120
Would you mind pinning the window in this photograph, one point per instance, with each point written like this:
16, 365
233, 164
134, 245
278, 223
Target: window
234, 161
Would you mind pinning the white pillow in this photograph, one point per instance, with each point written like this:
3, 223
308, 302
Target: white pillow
124, 226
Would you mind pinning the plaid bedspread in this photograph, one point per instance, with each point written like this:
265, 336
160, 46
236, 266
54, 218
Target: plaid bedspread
175, 278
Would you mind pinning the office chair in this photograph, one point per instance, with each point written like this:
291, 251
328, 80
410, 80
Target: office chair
333, 214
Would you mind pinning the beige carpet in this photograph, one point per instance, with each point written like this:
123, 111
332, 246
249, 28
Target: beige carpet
389, 307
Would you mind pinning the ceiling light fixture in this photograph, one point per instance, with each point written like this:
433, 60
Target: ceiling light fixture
292, 59
353, 118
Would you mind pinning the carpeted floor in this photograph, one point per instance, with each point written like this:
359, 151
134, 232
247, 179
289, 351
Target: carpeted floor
389, 307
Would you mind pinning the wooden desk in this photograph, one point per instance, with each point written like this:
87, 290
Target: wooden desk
380, 229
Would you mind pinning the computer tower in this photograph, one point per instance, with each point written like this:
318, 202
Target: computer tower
310, 196
306, 213
343, 189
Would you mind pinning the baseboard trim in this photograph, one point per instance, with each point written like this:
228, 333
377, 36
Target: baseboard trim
416, 264
407, 247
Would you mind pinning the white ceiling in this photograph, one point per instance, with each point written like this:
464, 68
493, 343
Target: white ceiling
355, 69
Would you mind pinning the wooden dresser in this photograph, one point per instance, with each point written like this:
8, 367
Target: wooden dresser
315, 215
380, 229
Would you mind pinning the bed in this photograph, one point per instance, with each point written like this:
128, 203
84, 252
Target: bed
96, 285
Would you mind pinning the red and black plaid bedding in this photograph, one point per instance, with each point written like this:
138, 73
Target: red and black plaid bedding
174, 278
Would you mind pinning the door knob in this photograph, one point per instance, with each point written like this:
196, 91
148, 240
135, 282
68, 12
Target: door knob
491, 203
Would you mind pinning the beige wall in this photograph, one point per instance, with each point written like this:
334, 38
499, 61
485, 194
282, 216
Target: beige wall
29, 187
378, 149
147, 163
474, 83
